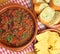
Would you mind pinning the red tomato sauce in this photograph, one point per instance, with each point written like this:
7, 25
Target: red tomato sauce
16, 27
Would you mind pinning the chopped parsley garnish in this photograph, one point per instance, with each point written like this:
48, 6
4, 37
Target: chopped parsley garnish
9, 38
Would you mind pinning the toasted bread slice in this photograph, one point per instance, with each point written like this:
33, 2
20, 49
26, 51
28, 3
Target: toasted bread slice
39, 7
55, 4
47, 1
46, 15
56, 19
37, 1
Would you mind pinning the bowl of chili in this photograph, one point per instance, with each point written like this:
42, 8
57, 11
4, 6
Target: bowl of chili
18, 27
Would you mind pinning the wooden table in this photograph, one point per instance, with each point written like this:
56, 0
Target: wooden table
2, 1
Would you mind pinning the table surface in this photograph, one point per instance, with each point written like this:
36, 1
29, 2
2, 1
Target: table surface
1, 1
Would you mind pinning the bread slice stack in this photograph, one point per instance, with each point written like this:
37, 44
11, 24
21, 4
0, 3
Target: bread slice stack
46, 15
49, 17
48, 11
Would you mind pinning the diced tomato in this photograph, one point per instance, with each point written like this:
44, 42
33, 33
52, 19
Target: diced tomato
18, 33
21, 28
3, 36
14, 40
2, 27
13, 13
5, 18
27, 22
27, 16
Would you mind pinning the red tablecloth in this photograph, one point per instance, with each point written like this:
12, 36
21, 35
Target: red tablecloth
26, 3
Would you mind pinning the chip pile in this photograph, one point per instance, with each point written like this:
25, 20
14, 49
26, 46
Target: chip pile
48, 43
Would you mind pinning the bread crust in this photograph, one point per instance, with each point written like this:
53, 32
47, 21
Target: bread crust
47, 1
36, 8
54, 6
42, 20
39, 7
55, 21
35, 1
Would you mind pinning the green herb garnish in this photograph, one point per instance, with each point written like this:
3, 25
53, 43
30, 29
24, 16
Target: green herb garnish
22, 16
17, 13
9, 38
0, 30
9, 21
24, 35
19, 20
25, 25
15, 18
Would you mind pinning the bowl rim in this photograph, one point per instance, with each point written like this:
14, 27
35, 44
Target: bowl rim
55, 26
35, 22
51, 29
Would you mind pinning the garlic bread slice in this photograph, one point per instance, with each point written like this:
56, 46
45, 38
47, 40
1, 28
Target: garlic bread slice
39, 7
56, 19
46, 15
55, 4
